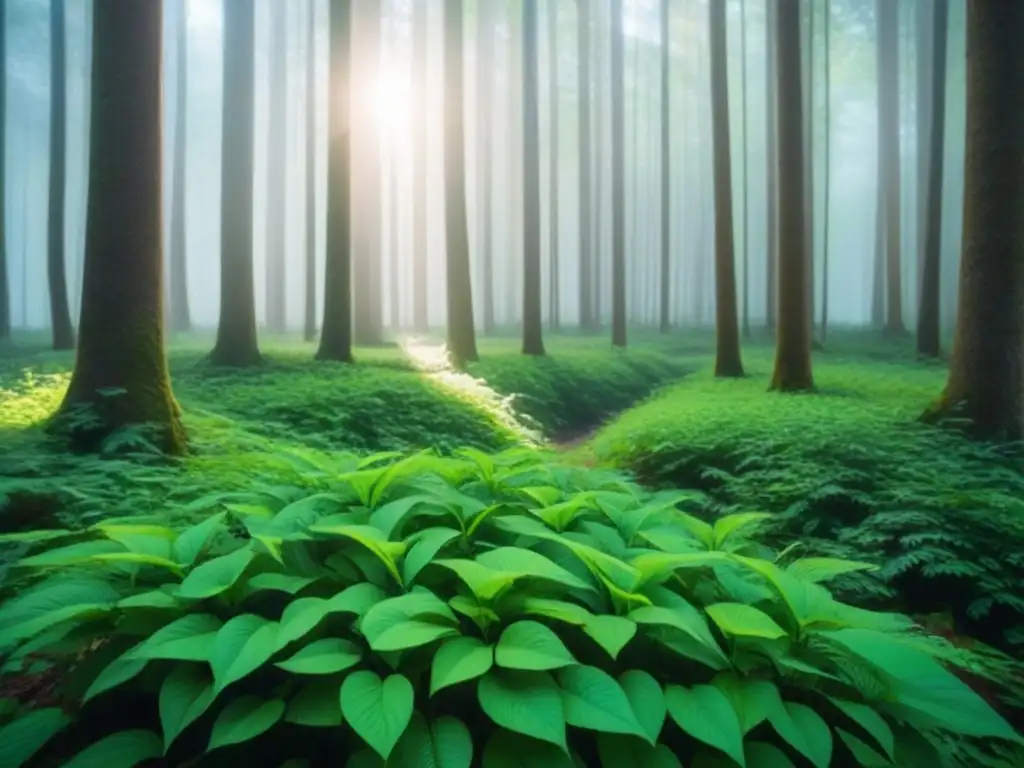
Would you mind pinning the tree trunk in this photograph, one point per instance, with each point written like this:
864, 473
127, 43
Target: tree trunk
793, 341
809, 185
485, 159
727, 333
771, 237
889, 159
586, 257
336, 334
533, 341
928, 336
277, 142
746, 171
236, 334
827, 209
180, 317
421, 150
618, 178
553, 206
5, 295
461, 334
56, 266
664, 308
986, 376
309, 300
120, 369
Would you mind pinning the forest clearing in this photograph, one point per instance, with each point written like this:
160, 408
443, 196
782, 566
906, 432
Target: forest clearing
481, 384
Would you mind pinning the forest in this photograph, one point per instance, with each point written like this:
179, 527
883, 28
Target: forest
498, 383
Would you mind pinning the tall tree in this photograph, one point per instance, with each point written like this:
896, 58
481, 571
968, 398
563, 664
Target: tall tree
746, 168
56, 266
587, 260
618, 132
336, 334
277, 138
664, 318
928, 336
309, 300
986, 373
827, 206
553, 123
461, 334
485, 157
889, 159
236, 333
793, 340
727, 332
533, 339
122, 332
180, 317
771, 163
421, 150
5, 296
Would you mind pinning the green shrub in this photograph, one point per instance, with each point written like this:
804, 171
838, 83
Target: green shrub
485, 610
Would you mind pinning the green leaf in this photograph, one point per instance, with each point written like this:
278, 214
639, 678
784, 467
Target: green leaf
22, 738
705, 714
458, 660
647, 700
444, 744
744, 621
732, 524
189, 638
752, 699
612, 633
805, 731
244, 719
372, 539
408, 621
532, 646
688, 620
594, 700
378, 710
658, 567
187, 692
316, 705
215, 576
865, 756
512, 750
763, 755
323, 657
484, 583
871, 722
73, 554
125, 749
389, 518
278, 582
51, 603
525, 702
157, 599
618, 751
190, 543
357, 599
241, 647
424, 549
817, 569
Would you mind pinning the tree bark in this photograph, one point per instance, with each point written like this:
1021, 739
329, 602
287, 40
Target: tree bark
827, 206
928, 336
727, 333
336, 334
889, 159
421, 144
461, 334
664, 308
586, 159
180, 317
771, 237
485, 160
533, 336
553, 207
236, 334
986, 375
618, 178
309, 300
277, 138
793, 341
746, 171
56, 263
120, 369
5, 294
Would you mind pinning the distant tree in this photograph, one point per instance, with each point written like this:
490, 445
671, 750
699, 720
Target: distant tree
336, 335
309, 300
618, 177
771, 166
986, 373
889, 160
928, 337
727, 332
180, 317
421, 150
461, 334
485, 159
553, 154
826, 207
5, 296
793, 342
277, 141
120, 369
587, 259
56, 266
236, 334
533, 341
746, 169
665, 276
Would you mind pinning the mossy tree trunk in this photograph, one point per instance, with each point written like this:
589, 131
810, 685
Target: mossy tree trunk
727, 332
180, 319
56, 263
336, 335
793, 333
986, 375
5, 295
618, 132
461, 334
533, 335
236, 334
121, 369
309, 299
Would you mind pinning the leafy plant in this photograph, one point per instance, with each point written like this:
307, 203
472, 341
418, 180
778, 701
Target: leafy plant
473, 609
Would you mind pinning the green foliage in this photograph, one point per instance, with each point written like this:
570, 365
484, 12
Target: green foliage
429, 610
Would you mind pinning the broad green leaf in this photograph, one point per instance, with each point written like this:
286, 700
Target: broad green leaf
559, 610
51, 603
299, 618
544, 495
378, 710
120, 670
525, 702
22, 738
215, 576
458, 660
323, 657
612, 633
278, 582
357, 599
137, 558
316, 705
387, 552
532, 646
594, 700
732, 524
125, 749
34, 536
189, 638
484, 583
763, 755
619, 751
244, 719
157, 599
528, 563
506, 749
805, 731
688, 620
741, 620
445, 743
705, 714
658, 567
559, 516
865, 756
808, 603
647, 700
389, 518
244, 644
187, 692
188, 546
73, 554
424, 548
816, 569
13, 634
871, 722
408, 621
752, 699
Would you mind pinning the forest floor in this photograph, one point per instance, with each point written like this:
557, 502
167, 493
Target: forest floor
847, 472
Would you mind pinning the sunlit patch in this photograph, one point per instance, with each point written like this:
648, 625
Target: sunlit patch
391, 102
